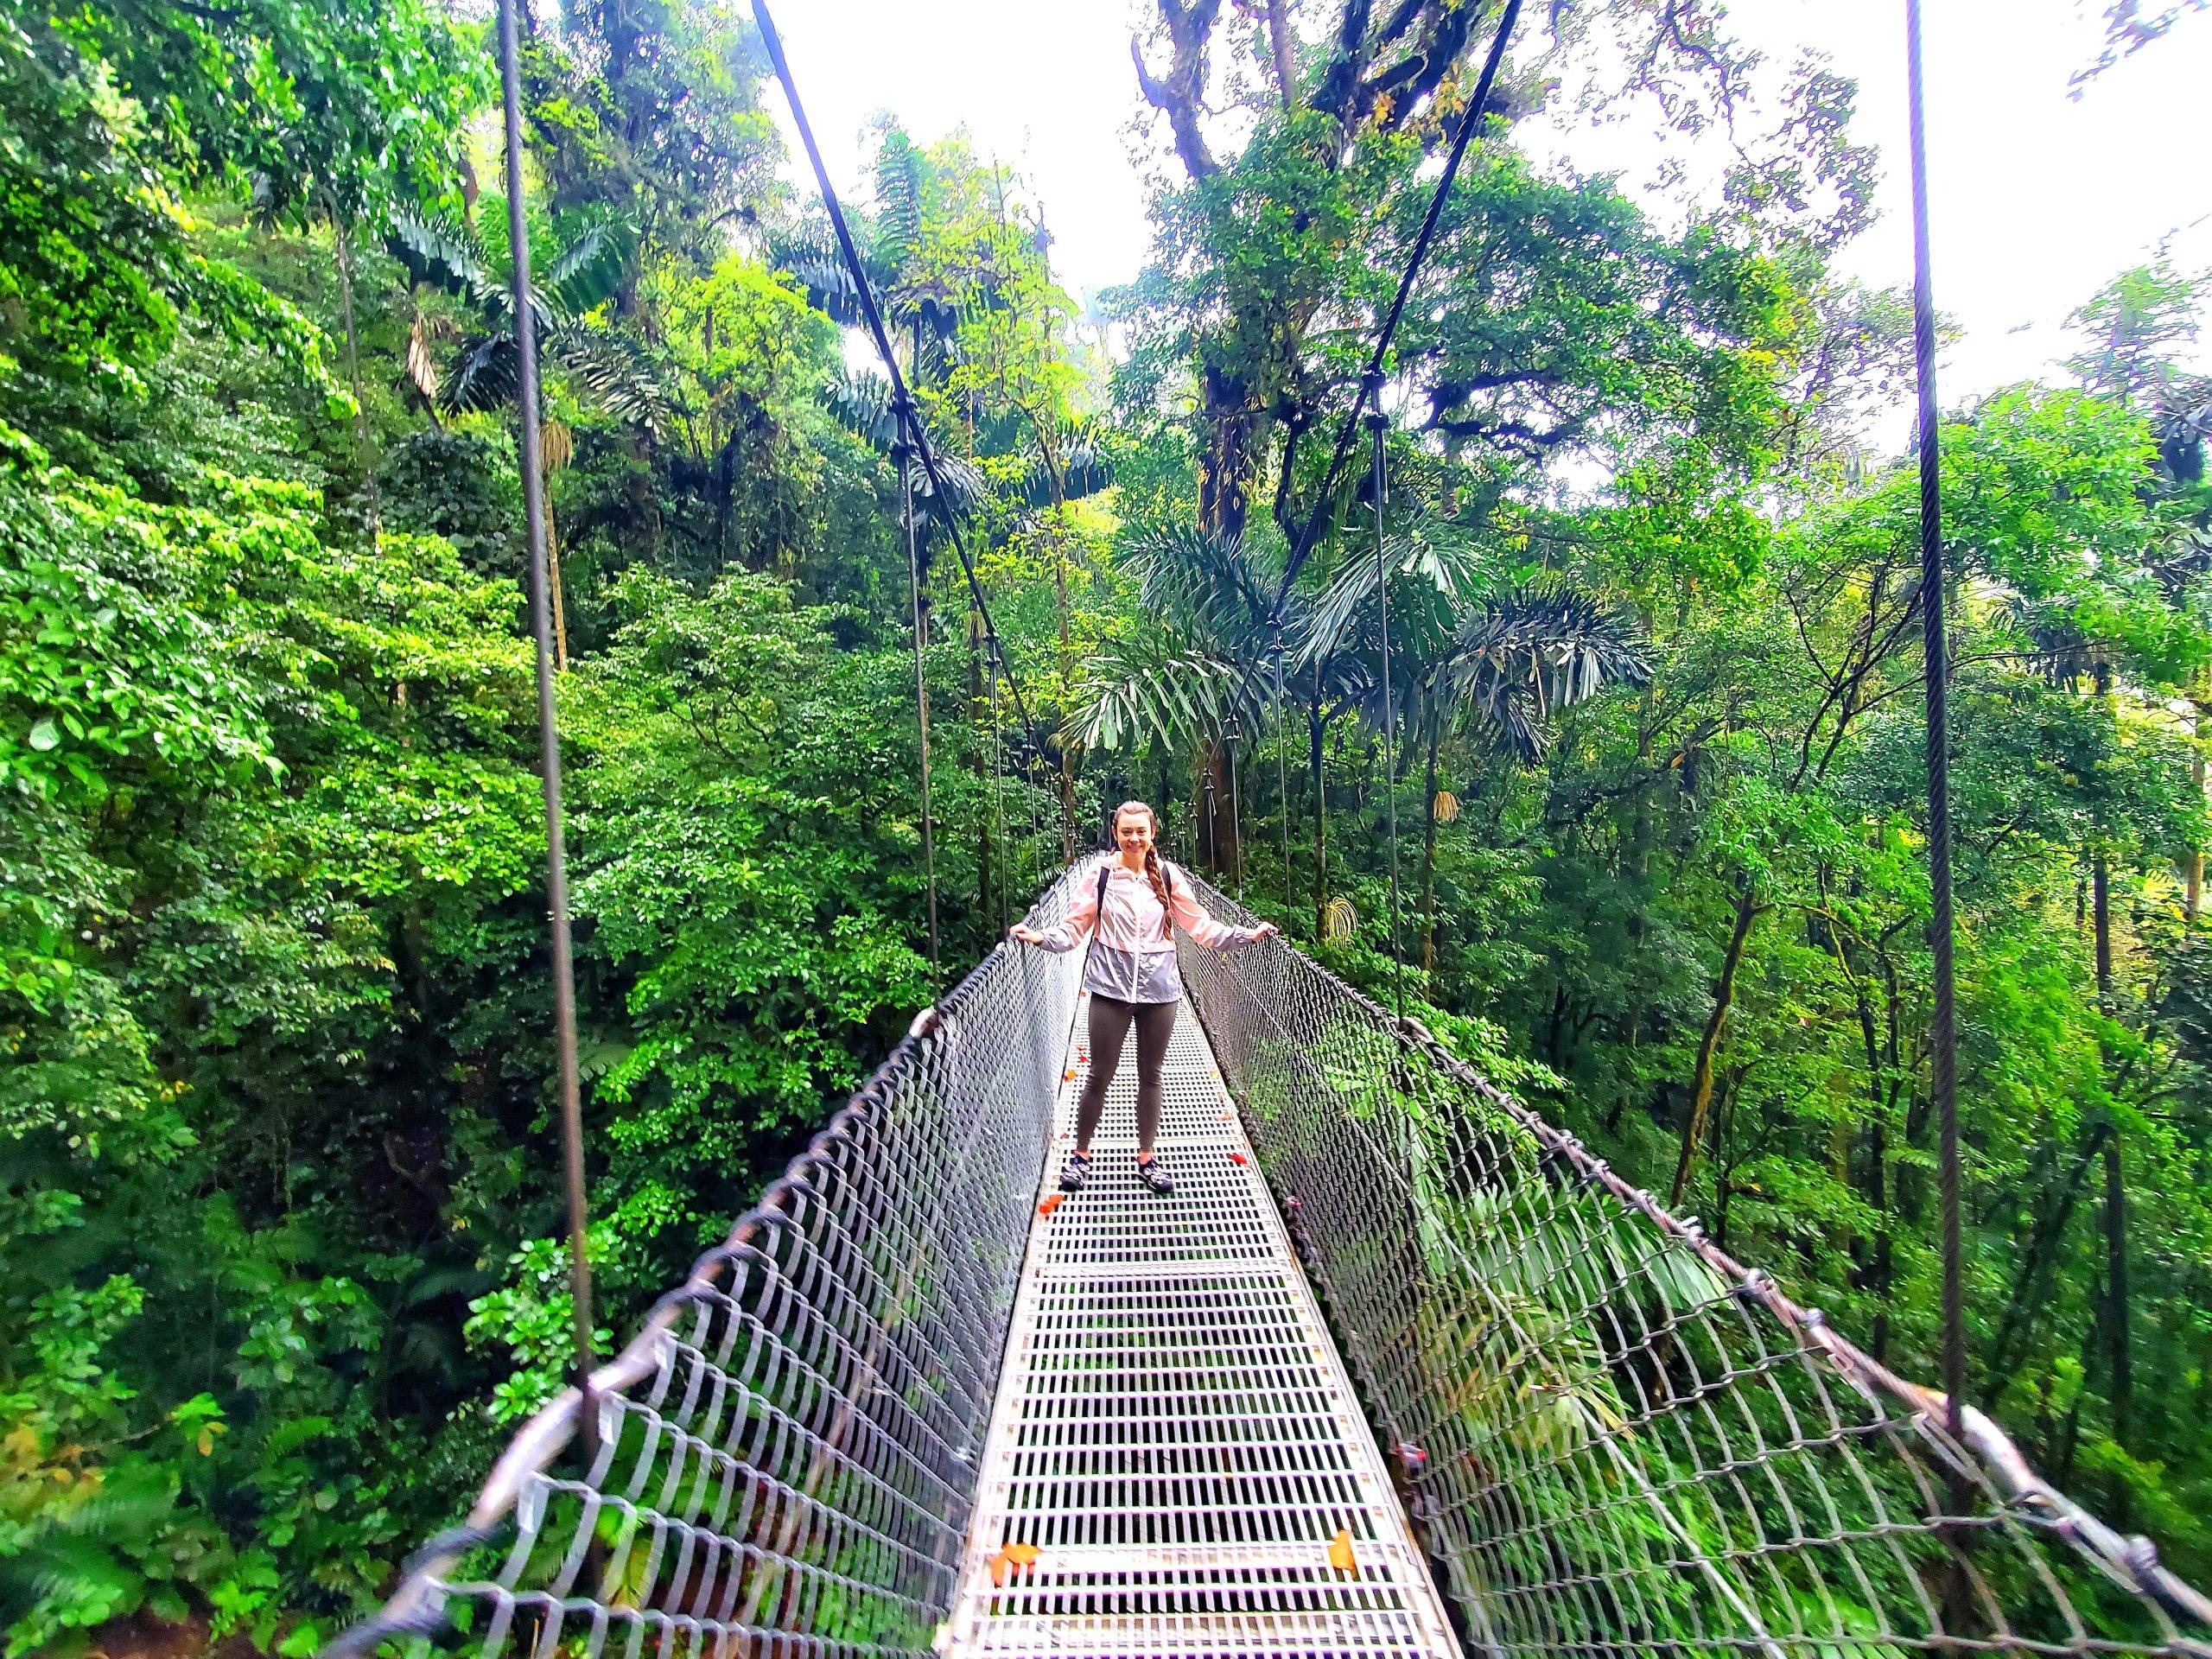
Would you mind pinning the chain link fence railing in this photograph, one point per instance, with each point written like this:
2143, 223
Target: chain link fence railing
1614, 1438
783, 1459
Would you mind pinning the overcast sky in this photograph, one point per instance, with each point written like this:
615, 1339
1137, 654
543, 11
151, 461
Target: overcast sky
2037, 198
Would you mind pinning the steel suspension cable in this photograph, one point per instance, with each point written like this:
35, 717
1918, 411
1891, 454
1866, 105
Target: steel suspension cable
1230, 738
1376, 422
921, 705
1943, 1033
909, 417
994, 667
1370, 380
1282, 767
548, 730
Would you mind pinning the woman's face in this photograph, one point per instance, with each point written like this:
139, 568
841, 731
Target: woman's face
1134, 831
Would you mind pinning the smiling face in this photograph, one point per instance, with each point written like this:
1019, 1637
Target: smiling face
1133, 831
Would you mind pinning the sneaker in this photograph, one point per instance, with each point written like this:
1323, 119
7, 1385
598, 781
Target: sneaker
1075, 1171
1154, 1176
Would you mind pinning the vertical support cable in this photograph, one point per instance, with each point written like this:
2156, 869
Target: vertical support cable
1036, 828
1371, 381
549, 734
1282, 769
1943, 1034
1376, 421
1213, 824
905, 453
998, 779
1230, 738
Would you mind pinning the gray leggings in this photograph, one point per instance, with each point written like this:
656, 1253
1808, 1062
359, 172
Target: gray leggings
1109, 1028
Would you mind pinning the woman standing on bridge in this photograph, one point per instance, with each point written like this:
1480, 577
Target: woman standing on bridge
1134, 907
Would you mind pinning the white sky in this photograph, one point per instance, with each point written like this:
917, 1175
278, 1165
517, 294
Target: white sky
2038, 198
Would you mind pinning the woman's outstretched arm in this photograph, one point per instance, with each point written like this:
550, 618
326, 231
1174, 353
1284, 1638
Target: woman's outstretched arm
1071, 929
1195, 919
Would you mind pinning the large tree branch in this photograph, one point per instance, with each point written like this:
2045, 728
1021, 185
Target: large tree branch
1534, 443
1180, 94
1280, 44
1410, 53
1341, 80
1418, 74
1447, 395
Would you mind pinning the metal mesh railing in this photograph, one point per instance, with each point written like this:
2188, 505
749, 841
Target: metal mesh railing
786, 1456
1614, 1438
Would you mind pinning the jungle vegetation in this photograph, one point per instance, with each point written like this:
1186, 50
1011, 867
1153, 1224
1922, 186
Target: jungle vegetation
280, 1257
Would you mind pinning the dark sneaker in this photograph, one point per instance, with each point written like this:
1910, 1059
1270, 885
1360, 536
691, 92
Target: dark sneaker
1154, 1176
1075, 1172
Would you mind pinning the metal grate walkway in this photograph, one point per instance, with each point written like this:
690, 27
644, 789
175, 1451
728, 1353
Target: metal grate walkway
1174, 1435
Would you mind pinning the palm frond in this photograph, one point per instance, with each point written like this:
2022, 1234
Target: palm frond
965, 488
484, 374
811, 258
1434, 574
898, 200
611, 371
439, 253
1154, 691
422, 367
588, 272
1085, 469
862, 403
1531, 652
1213, 587
830, 288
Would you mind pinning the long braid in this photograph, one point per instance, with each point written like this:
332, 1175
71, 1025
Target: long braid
1159, 880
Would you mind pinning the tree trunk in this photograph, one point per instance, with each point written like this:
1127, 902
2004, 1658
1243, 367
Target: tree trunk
1226, 455
2116, 1299
553, 591
979, 718
2100, 913
1216, 821
1286, 57
2053, 1212
1882, 1270
1724, 996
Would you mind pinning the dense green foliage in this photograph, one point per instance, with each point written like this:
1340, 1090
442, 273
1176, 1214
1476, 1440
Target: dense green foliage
279, 1224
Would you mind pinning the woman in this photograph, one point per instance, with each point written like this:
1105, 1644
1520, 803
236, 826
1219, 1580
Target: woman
1132, 976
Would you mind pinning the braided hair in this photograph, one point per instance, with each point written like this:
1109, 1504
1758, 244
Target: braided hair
1154, 873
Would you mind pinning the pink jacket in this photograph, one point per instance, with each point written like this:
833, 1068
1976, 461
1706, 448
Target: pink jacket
1132, 916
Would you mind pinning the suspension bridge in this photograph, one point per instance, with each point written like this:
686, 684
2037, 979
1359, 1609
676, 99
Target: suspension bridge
1400, 1368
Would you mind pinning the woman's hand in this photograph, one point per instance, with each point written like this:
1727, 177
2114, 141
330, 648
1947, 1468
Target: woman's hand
1025, 935
1266, 930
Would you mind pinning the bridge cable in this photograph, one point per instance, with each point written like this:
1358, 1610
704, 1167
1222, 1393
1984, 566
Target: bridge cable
921, 696
903, 401
1378, 423
1228, 741
994, 666
549, 734
1283, 766
1370, 380
1943, 1033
